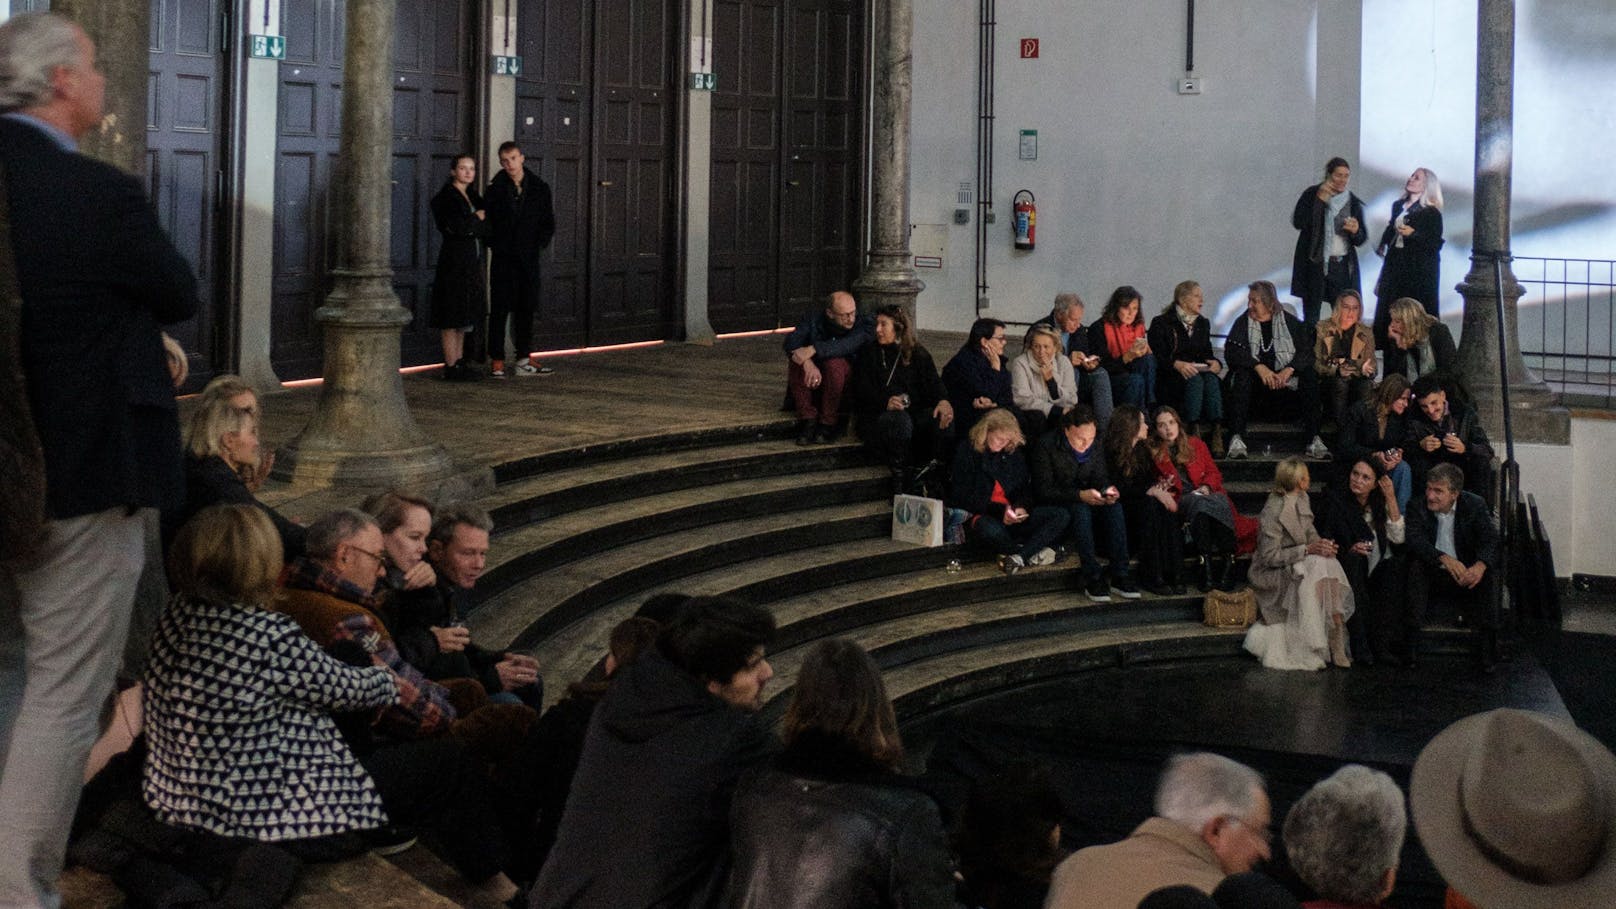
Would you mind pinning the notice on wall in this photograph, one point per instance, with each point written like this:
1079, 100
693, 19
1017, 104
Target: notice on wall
1029, 145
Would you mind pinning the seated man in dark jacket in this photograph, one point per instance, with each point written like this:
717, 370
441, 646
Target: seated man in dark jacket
428, 622
647, 821
821, 350
1453, 558
1444, 431
1068, 471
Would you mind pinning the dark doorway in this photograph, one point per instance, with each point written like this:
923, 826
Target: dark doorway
433, 94
184, 147
595, 108
787, 135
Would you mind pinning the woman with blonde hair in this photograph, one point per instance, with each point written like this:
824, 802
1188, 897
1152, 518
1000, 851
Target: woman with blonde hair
1187, 374
1303, 594
1417, 343
1344, 355
1412, 248
992, 482
830, 821
1042, 382
222, 454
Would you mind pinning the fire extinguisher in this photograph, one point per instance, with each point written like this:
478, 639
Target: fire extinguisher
1025, 220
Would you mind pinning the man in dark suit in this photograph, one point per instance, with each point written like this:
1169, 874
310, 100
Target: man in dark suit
1453, 557
94, 278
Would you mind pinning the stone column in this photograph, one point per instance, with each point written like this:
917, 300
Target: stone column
1534, 409
889, 272
121, 30
361, 432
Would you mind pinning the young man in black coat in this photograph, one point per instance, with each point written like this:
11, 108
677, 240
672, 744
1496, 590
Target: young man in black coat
1068, 471
521, 221
1443, 431
647, 821
88, 431
1453, 558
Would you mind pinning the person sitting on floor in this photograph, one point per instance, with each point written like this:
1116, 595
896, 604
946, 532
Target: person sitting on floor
1374, 429
821, 350
1068, 471
978, 376
1187, 374
1453, 559
1093, 382
903, 409
429, 622
1212, 820
1343, 838
1445, 431
830, 821
1042, 382
991, 481
1302, 593
1270, 354
1344, 354
1365, 522
1118, 337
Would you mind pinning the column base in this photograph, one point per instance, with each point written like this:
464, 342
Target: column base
889, 280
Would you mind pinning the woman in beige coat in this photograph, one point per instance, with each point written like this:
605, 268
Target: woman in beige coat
1302, 592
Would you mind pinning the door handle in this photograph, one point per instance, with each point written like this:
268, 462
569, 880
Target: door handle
793, 182
604, 183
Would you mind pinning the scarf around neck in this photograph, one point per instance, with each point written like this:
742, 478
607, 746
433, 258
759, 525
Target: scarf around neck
1284, 347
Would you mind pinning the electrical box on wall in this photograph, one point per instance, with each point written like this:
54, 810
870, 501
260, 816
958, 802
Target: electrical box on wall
1189, 85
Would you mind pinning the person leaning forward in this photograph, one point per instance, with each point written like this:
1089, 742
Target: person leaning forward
87, 409
821, 350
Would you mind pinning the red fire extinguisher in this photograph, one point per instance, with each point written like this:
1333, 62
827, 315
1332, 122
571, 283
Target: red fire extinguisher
1025, 219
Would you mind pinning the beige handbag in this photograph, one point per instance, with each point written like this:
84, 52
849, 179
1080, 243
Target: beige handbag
1229, 608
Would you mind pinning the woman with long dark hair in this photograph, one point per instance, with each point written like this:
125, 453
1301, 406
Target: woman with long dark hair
1365, 522
1148, 507
1374, 429
1412, 248
1190, 476
459, 295
1119, 338
903, 409
831, 822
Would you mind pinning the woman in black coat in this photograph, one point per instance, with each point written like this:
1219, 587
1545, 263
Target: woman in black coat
830, 822
1366, 524
1187, 373
1155, 532
1412, 248
1374, 429
458, 292
992, 482
903, 409
1417, 343
1321, 267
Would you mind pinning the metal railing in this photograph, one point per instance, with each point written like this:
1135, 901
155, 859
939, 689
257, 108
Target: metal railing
1566, 325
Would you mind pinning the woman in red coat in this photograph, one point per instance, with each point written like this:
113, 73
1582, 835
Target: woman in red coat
1204, 506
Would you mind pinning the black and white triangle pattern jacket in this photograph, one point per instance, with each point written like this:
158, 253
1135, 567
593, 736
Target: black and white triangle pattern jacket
241, 743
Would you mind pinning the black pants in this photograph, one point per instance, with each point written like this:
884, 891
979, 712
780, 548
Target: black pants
1041, 530
1375, 627
435, 787
903, 438
1429, 585
1337, 278
1340, 393
513, 293
1247, 391
1157, 538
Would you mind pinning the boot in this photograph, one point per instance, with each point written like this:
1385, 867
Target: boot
1218, 450
1338, 643
1205, 584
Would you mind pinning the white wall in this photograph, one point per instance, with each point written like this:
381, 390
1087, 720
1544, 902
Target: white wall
1136, 184
1576, 515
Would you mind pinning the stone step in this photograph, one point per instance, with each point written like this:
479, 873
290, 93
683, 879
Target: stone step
565, 489
366, 880
586, 532
638, 447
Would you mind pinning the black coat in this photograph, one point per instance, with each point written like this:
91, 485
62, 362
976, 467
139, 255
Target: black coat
969, 376
458, 290
824, 828
1056, 474
1462, 421
1474, 535
410, 616
1443, 352
1360, 433
1415, 270
210, 481
975, 472
520, 225
1170, 341
1307, 264
1340, 519
98, 276
878, 374
1237, 345
647, 821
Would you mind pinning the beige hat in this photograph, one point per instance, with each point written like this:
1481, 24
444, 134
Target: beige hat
1518, 811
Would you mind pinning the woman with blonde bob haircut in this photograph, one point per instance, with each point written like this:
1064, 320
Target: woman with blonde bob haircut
992, 481
1417, 343
830, 822
1302, 592
267, 693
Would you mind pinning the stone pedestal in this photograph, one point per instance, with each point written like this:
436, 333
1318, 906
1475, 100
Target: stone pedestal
362, 433
121, 30
1534, 409
889, 272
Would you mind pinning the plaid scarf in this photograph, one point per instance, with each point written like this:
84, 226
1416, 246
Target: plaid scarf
1284, 347
305, 573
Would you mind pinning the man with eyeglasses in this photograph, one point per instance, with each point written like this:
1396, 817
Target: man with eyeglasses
1212, 820
820, 352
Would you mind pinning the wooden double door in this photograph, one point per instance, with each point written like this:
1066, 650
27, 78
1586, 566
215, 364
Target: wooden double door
596, 114
786, 158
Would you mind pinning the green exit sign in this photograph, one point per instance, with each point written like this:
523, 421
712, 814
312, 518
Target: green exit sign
507, 66
269, 47
703, 82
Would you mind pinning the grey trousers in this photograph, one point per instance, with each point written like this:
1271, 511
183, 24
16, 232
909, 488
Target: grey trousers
63, 618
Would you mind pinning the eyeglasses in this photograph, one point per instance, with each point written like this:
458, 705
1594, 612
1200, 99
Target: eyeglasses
375, 555
1263, 833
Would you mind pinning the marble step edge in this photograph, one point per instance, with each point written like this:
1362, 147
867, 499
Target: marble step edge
542, 496
636, 446
589, 532
512, 617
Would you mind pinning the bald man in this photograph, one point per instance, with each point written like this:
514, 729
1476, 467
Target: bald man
821, 350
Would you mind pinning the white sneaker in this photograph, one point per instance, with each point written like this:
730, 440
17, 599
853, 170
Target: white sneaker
1317, 450
1042, 557
526, 367
1237, 447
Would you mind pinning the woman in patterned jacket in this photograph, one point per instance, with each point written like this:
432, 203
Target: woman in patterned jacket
238, 699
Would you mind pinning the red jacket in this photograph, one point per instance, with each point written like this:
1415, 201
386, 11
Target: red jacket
1203, 471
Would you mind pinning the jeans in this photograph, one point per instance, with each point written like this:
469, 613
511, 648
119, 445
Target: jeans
1203, 398
1136, 385
1084, 517
1094, 386
1402, 485
1043, 527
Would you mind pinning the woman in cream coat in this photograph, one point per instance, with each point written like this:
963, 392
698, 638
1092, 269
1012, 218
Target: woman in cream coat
1041, 381
1302, 592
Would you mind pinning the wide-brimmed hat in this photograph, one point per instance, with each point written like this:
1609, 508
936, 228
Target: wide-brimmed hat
1518, 810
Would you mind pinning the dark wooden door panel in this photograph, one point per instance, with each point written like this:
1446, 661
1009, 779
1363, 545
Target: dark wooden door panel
184, 148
